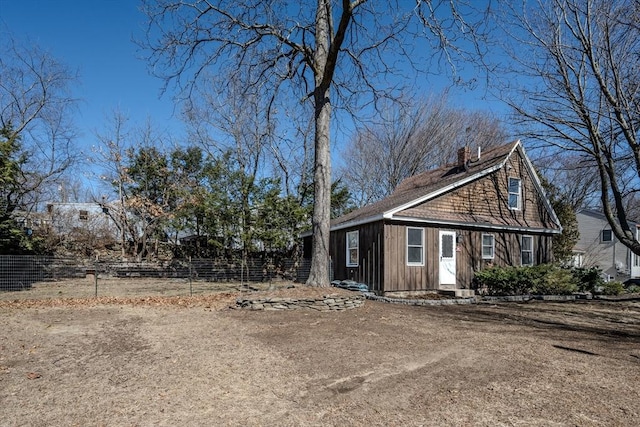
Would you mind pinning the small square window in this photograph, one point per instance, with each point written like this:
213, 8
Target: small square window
488, 246
84, 215
607, 236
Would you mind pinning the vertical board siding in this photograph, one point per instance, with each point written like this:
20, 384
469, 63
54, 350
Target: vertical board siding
401, 277
383, 264
371, 262
432, 262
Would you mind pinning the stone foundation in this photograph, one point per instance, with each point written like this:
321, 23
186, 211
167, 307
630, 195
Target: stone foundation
331, 302
458, 293
410, 294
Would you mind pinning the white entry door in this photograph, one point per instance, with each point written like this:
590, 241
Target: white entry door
447, 259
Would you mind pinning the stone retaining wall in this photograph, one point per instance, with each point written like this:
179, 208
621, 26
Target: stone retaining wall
407, 301
334, 302
324, 303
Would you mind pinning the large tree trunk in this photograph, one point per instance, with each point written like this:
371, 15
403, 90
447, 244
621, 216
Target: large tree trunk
319, 274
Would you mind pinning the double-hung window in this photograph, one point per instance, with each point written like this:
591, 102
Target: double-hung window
415, 246
515, 193
352, 248
488, 246
526, 250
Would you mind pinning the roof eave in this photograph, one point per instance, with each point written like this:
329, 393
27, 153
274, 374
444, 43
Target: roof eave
357, 222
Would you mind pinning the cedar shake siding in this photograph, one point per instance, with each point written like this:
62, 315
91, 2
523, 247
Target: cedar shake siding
497, 196
484, 201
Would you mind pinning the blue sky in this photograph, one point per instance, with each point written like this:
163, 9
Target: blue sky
95, 38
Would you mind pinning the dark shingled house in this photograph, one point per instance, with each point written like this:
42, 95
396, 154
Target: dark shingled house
441, 226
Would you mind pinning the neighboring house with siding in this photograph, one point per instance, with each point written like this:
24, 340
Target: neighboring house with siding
439, 227
598, 247
68, 219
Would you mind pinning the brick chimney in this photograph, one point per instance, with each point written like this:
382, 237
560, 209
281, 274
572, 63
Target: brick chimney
464, 156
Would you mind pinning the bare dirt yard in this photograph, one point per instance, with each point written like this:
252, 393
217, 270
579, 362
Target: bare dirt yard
192, 361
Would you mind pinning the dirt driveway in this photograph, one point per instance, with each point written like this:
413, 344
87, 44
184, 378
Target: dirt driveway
193, 362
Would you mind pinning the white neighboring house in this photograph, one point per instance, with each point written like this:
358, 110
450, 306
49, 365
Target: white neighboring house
65, 218
599, 247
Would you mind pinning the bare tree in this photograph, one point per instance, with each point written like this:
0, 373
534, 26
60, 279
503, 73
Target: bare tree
575, 175
328, 52
409, 138
232, 120
35, 109
581, 91
110, 158
291, 154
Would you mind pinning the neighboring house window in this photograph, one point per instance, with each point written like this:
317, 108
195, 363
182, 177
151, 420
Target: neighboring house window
488, 246
352, 248
515, 193
415, 246
526, 250
607, 236
84, 215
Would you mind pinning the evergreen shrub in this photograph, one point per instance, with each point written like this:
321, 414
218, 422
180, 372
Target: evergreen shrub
543, 279
612, 288
589, 279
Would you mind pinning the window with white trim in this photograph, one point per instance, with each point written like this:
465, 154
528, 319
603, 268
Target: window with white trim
488, 246
515, 193
607, 236
352, 248
526, 250
415, 246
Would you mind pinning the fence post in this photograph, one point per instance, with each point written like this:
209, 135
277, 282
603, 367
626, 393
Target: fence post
95, 278
190, 274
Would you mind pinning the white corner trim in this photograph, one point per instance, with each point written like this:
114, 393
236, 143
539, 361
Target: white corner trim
538, 185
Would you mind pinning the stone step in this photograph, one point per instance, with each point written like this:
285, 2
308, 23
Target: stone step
459, 293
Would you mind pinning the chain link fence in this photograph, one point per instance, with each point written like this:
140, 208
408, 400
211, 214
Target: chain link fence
50, 277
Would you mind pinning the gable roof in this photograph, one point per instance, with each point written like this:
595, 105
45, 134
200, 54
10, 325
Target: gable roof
430, 184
